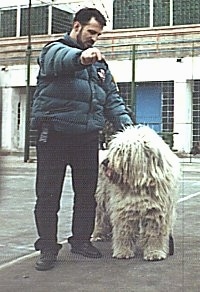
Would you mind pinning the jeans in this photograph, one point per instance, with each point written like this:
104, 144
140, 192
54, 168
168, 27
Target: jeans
53, 155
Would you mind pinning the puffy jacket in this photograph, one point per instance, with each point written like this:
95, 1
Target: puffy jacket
73, 97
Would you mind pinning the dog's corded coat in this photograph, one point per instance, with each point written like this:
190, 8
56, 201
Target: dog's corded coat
137, 194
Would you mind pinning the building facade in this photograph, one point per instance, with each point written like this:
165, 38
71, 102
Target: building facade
44, 19
156, 69
154, 13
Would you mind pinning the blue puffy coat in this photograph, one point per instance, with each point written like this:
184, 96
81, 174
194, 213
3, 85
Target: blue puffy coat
72, 97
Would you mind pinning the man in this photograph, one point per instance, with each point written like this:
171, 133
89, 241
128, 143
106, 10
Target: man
75, 93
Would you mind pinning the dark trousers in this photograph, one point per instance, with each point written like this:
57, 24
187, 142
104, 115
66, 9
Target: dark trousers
53, 155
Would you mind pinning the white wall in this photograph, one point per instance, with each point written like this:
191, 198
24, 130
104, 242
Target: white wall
16, 76
13, 130
13, 83
162, 69
7, 119
165, 69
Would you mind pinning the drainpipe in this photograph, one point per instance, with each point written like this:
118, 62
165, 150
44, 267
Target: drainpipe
28, 97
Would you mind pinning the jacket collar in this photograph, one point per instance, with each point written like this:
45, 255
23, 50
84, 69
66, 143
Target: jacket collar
71, 42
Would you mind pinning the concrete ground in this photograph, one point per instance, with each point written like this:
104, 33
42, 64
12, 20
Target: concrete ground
75, 273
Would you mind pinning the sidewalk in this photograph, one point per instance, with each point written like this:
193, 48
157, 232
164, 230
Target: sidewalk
74, 273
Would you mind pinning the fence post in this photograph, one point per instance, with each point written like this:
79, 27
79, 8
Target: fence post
28, 55
133, 95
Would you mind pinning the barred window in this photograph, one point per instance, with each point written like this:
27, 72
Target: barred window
129, 13
167, 105
186, 12
8, 22
39, 20
196, 111
61, 20
161, 13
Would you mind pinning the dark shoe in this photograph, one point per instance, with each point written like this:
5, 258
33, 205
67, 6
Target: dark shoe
85, 248
46, 261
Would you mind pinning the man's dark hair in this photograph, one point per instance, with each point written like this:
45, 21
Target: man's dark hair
85, 14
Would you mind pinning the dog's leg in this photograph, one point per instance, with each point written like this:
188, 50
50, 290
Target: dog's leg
123, 241
102, 230
156, 248
155, 236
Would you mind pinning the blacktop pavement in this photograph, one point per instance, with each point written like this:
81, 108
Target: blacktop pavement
74, 273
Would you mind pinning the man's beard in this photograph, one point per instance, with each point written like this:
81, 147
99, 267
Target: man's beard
87, 45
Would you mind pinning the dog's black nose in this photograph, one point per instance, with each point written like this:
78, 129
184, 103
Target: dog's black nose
105, 162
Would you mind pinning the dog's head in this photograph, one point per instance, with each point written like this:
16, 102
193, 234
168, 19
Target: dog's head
138, 156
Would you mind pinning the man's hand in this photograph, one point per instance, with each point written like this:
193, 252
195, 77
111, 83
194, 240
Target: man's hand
90, 56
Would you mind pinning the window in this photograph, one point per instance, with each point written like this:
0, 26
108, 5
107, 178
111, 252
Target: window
129, 13
186, 12
39, 20
61, 20
161, 13
8, 20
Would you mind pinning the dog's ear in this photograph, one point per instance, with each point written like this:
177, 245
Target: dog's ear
105, 162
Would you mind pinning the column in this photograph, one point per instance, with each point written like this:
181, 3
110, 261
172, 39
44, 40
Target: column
183, 114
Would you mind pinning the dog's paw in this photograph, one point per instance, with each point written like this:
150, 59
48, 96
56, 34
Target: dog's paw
155, 255
98, 237
123, 255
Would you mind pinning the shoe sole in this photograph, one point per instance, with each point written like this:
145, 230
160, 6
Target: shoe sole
43, 269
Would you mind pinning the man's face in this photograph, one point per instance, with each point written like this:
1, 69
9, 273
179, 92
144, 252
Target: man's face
87, 35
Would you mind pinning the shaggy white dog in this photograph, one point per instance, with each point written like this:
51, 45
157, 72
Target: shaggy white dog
136, 194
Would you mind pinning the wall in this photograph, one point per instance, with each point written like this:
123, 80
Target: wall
163, 70
146, 70
157, 53
13, 88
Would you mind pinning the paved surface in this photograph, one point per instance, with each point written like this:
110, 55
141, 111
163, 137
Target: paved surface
74, 273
